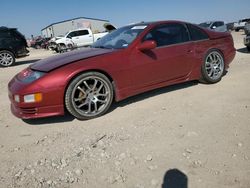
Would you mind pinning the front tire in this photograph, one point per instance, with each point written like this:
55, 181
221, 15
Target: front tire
89, 95
248, 48
213, 67
7, 58
62, 48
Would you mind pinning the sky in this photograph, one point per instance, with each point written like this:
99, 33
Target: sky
32, 16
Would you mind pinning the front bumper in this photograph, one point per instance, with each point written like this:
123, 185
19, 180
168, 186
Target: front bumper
36, 112
51, 104
22, 52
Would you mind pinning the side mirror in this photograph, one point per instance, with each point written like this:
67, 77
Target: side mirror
69, 37
147, 45
214, 27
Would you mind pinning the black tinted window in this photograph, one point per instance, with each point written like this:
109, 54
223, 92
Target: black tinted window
218, 24
168, 34
196, 33
72, 34
4, 34
83, 32
17, 34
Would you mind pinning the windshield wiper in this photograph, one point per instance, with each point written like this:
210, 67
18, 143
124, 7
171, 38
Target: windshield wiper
103, 47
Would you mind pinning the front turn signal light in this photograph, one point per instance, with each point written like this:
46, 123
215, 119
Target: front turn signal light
37, 97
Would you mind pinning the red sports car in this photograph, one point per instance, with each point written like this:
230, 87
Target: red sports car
131, 60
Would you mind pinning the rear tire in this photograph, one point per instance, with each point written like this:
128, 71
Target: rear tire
213, 67
248, 48
89, 95
7, 58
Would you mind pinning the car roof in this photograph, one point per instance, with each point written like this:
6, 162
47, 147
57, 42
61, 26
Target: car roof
78, 29
6, 28
156, 22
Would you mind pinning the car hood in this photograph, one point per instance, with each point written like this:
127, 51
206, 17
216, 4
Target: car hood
54, 62
62, 40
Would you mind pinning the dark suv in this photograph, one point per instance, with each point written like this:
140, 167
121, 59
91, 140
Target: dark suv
12, 45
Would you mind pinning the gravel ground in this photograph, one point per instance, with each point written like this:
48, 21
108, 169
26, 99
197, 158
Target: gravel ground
192, 135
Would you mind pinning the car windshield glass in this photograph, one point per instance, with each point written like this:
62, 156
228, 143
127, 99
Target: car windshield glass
205, 24
65, 34
120, 38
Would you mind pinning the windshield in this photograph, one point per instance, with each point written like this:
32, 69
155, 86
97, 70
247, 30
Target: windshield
120, 38
205, 24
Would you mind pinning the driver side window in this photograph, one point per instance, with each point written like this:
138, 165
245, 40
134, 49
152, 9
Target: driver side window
168, 34
72, 34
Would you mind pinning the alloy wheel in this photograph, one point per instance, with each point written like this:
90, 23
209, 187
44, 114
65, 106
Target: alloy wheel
6, 59
90, 96
214, 65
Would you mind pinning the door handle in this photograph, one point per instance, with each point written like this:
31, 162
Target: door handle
189, 51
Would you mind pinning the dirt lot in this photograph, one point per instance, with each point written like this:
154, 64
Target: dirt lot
193, 135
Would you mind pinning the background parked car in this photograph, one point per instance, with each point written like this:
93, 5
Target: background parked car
214, 25
33, 41
78, 38
40, 43
247, 29
45, 43
12, 45
230, 26
247, 42
241, 24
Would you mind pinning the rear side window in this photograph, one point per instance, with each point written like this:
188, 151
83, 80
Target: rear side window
16, 34
197, 33
168, 34
83, 32
218, 24
4, 34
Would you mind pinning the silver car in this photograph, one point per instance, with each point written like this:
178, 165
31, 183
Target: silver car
247, 29
214, 25
247, 42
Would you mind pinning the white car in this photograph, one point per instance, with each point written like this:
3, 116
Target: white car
78, 38
241, 24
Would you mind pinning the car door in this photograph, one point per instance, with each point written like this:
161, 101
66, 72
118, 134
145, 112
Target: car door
72, 37
170, 60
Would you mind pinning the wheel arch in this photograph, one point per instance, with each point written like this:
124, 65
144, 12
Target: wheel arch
10, 50
209, 51
61, 43
110, 78
214, 49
